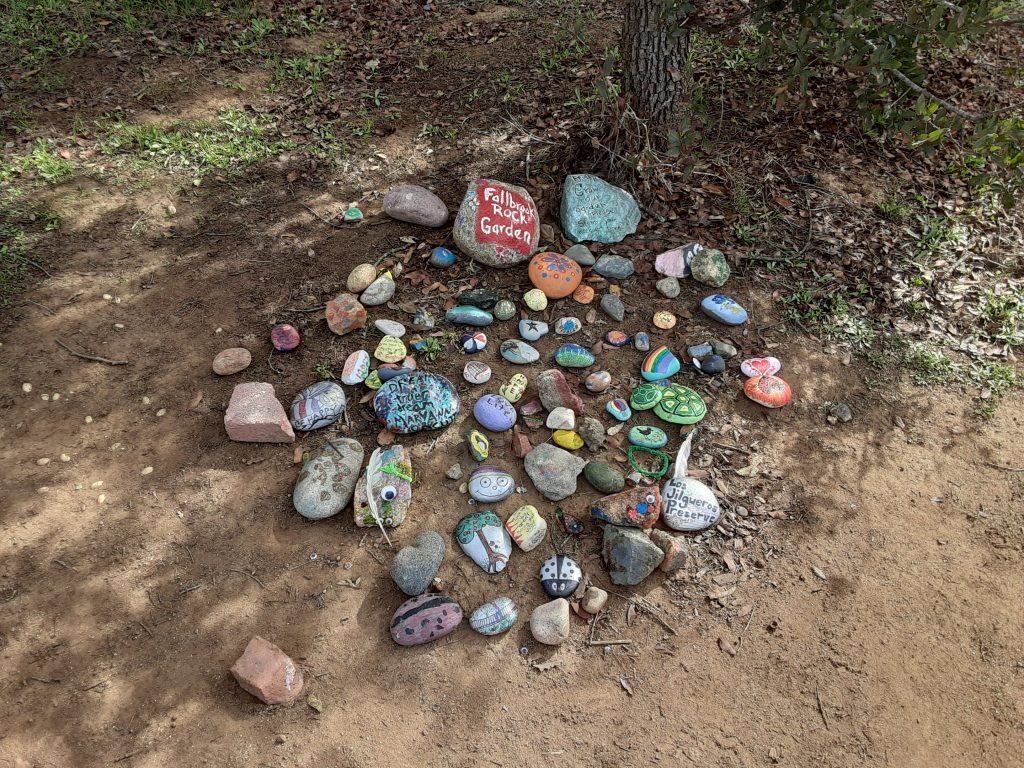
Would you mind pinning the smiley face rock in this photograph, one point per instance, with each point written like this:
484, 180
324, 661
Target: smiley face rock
490, 484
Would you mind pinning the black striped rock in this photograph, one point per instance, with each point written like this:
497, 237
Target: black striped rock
425, 618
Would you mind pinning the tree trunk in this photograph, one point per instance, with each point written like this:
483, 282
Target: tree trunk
655, 48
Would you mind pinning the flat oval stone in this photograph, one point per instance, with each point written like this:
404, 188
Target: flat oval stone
526, 527
680, 405
560, 576
574, 356
583, 295
724, 309
761, 366
495, 413
617, 338
689, 505
619, 408
379, 292
415, 402
231, 361
769, 391
566, 438
474, 342
504, 309
646, 396
416, 205
494, 617
554, 274
424, 618
328, 479
535, 300
666, 321
284, 337
566, 326
466, 315
484, 539
491, 484
414, 567
598, 381
614, 267
647, 437
390, 350
514, 389
711, 365
317, 406
441, 257
390, 327
478, 445
532, 330
519, 352
476, 372
484, 298
659, 364
360, 277
604, 477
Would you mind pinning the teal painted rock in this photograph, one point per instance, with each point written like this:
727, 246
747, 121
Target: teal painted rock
465, 315
646, 396
574, 356
619, 408
648, 437
680, 405
724, 309
593, 209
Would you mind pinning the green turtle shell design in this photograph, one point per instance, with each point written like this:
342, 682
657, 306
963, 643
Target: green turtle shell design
680, 405
646, 396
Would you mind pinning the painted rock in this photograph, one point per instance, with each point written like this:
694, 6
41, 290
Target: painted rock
761, 366
478, 445
583, 295
390, 350
648, 437
553, 471
636, 508
416, 205
328, 479
484, 298
373, 380
689, 505
284, 337
659, 364
476, 372
700, 350
711, 365
560, 576
489, 485
494, 617
614, 267
345, 314
514, 389
532, 330
676, 263
415, 402
389, 371
574, 356
352, 214
441, 257
646, 396
535, 299
495, 413
593, 209
566, 438
612, 306
474, 342
555, 392
680, 405
619, 408
423, 320
498, 224
598, 381
724, 309
769, 391
616, 338
379, 292
518, 352
425, 618
556, 275
526, 527
504, 309
484, 539
414, 567
604, 477
389, 327
629, 554
384, 492
666, 321
566, 326
317, 406
709, 266
466, 315
581, 255
360, 277
229, 361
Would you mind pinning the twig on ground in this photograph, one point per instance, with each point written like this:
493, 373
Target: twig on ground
271, 364
64, 565
148, 630
647, 608
28, 261
94, 358
1005, 469
311, 309
821, 709
250, 575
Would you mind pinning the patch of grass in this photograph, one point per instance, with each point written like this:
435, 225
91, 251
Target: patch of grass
323, 371
938, 233
43, 162
1001, 315
894, 207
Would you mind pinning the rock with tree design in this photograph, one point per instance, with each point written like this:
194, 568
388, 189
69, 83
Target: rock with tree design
484, 539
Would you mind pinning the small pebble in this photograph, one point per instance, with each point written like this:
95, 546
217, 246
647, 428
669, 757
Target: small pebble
65, 457
26, 387
101, 498
45, 397
88, 419
97, 484
42, 462
161, 412
118, 326
147, 470
56, 396
145, 400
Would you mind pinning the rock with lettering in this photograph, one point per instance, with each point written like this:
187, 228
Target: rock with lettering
498, 224
553, 471
317, 406
630, 555
495, 413
416, 205
416, 402
345, 314
328, 480
593, 209
555, 392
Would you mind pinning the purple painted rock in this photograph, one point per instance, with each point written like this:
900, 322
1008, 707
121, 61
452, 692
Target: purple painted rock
636, 508
555, 392
284, 337
425, 618
415, 204
495, 413
345, 314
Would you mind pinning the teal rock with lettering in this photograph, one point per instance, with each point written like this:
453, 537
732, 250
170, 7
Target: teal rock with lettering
594, 210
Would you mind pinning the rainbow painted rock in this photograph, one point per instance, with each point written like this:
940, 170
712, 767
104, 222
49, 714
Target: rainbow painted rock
680, 405
425, 618
616, 338
415, 402
636, 508
560, 576
619, 408
769, 391
526, 527
555, 274
495, 413
384, 492
724, 309
659, 364
284, 337
491, 484
357, 368
345, 314
474, 342
574, 356
761, 366
646, 396
317, 406
484, 539
494, 617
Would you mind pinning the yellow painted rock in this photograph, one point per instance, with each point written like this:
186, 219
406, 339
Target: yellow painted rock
567, 439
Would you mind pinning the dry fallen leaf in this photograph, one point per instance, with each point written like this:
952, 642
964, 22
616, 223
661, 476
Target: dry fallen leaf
624, 682
385, 438
630, 614
727, 646
195, 401
314, 702
297, 455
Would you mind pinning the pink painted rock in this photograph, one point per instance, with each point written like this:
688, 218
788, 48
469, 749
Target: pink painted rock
254, 415
345, 314
676, 263
674, 547
415, 204
425, 618
265, 671
231, 361
284, 337
555, 392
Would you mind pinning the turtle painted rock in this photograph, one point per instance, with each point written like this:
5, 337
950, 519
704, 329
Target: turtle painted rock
680, 405
646, 396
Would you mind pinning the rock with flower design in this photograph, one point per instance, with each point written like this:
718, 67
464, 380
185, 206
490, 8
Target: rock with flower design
484, 539
384, 492
638, 507
555, 274
724, 309
498, 224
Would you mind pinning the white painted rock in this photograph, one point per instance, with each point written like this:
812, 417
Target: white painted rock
328, 479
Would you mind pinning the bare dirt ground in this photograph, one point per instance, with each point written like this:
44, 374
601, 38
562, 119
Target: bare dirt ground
860, 605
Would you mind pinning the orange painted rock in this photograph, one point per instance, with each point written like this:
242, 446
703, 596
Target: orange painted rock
769, 391
555, 274
345, 314
583, 295
664, 320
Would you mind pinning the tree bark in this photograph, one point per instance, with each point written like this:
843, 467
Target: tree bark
655, 48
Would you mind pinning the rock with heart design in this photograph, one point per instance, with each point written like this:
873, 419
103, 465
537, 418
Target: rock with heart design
769, 391
415, 566
638, 507
560, 576
425, 618
484, 539
761, 366
476, 372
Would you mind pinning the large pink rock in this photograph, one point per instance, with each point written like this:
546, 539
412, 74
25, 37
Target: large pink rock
676, 263
555, 392
265, 671
415, 204
255, 415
